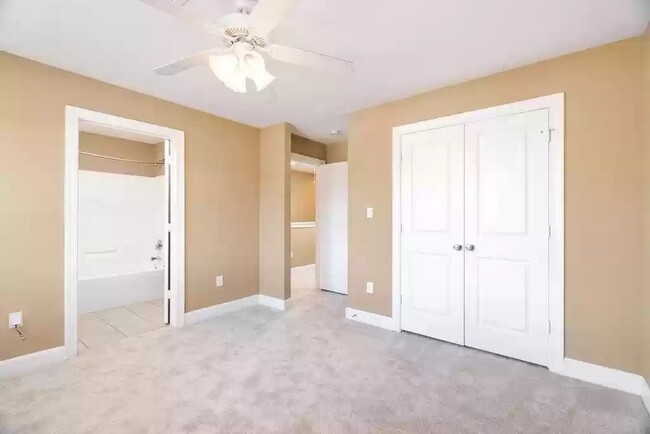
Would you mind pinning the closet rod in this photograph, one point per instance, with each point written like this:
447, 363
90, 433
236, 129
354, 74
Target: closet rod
90, 154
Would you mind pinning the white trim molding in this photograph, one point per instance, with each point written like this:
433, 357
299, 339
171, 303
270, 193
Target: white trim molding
555, 106
645, 395
210, 312
176, 158
273, 303
603, 376
373, 319
18, 365
300, 267
302, 225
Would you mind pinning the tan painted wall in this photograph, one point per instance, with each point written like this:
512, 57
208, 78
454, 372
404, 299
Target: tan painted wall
222, 195
120, 148
311, 148
603, 190
303, 209
303, 246
337, 152
275, 212
645, 123
303, 197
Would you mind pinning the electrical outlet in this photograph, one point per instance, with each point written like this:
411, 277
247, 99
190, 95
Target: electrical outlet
15, 319
219, 280
370, 213
370, 287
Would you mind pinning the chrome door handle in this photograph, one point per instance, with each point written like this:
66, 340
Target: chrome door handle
458, 247
469, 247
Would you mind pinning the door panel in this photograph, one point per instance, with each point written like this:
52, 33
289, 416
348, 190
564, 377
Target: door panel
432, 223
506, 220
332, 226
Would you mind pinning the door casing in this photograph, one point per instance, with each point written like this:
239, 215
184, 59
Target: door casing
176, 138
555, 105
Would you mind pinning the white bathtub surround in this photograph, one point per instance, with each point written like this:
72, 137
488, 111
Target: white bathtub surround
100, 293
121, 219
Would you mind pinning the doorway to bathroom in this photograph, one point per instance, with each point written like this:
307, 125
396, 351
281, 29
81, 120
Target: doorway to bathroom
124, 268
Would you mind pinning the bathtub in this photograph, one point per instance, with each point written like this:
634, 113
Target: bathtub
100, 293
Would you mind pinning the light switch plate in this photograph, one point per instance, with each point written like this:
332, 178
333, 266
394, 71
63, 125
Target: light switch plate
219, 280
15, 319
370, 287
370, 213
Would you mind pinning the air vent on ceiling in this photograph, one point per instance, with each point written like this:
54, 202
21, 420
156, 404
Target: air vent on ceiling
179, 2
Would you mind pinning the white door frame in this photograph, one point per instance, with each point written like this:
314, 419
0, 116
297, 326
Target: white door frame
555, 106
73, 115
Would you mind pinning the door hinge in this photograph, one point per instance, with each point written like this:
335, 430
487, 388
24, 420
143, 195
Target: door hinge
401, 227
549, 327
549, 231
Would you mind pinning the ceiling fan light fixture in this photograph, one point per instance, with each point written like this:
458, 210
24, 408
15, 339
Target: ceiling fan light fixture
236, 81
263, 79
223, 66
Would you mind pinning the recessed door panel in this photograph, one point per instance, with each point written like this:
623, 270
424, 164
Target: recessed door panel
502, 294
430, 177
432, 218
502, 182
430, 283
506, 236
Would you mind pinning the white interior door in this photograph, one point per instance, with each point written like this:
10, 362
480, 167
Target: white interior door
432, 233
506, 236
332, 226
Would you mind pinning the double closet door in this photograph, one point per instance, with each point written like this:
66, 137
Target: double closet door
475, 235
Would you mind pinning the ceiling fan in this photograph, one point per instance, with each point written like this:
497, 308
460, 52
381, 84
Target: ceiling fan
244, 41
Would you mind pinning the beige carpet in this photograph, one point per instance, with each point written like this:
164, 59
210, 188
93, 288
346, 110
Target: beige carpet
302, 371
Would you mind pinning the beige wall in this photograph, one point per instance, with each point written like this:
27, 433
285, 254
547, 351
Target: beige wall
303, 246
120, 148
222, 195
303, 197
311, 148
645, 122
337, 152
603, 191
303, 209
275, 212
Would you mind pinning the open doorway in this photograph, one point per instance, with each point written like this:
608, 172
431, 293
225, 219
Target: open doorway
304, 226
121, 260
124, 264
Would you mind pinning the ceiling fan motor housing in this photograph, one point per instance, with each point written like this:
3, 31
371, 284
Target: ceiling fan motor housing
236, 27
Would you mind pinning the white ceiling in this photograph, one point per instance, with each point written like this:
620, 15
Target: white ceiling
398, 48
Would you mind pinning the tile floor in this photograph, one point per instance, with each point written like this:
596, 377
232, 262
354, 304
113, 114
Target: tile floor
111, 325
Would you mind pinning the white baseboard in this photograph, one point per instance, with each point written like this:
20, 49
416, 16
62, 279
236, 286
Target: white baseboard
303, 266
273, 303
372, 319
645, 395
206, 313
607, 377
28, 362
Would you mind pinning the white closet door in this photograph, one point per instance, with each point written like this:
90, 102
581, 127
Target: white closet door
332, 224
506, 236
432, 233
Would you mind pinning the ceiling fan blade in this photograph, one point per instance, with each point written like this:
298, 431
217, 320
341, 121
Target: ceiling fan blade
267, 15
177, 11
196, 59
308, 58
